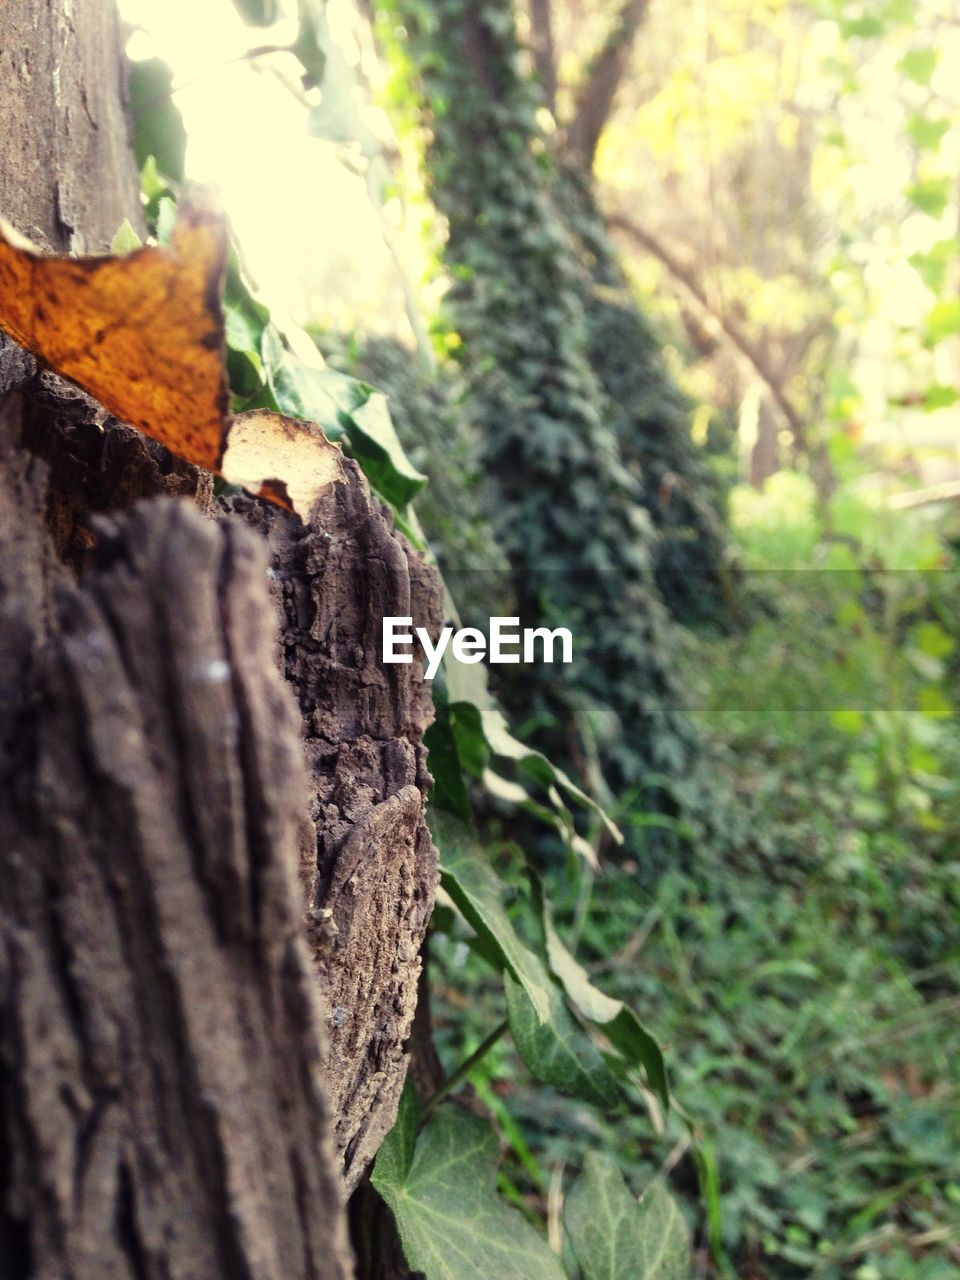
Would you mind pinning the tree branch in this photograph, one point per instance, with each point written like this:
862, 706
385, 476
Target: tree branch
544, 50
748, 350
596, 95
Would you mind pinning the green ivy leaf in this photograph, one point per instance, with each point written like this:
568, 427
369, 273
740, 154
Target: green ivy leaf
157, 124
615, 1020
932, 266
927, 133
397, 1150
449, 789
940, 396
125, 239
558, 1051
866, 27
266, 374
478, 716
943, 321
616, 1238
376, 446
478, 892
347, 410
452, 1223
932, 639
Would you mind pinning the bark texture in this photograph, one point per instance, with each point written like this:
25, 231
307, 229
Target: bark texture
66, 177
154, 788
369, 866
161, 1056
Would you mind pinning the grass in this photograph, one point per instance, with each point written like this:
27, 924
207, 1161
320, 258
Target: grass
804, 975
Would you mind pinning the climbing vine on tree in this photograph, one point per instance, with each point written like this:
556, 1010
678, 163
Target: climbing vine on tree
568, 510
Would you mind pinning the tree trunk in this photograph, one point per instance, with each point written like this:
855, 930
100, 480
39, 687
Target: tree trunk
209, 944
66, 175
567, 511
765, 454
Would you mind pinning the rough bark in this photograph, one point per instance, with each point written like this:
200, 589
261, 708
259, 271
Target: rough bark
161, 1057
366, 861
370, 867
66, 177
173, 1089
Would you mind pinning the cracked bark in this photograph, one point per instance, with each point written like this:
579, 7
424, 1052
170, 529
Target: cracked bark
215, 872
368, 865
163, 1101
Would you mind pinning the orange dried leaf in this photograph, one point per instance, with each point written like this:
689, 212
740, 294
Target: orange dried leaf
143, 334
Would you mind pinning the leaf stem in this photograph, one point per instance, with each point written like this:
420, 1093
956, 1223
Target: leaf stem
464, 1069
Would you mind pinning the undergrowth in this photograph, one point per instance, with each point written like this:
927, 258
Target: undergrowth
804, 979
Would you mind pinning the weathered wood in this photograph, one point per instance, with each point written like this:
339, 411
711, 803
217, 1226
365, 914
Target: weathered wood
162, 1100
66, 175
368, 864
370, 870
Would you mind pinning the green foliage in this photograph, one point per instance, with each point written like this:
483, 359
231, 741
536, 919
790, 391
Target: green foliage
616, 1021
650, 418
265, 373
806, 979
478, 892
614, 1237
441, 1186
556, 1051
157, 125
559, 1020
441, 444
566, 510
910, 127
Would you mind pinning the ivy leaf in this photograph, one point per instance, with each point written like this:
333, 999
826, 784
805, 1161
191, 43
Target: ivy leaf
553, 1045
347, 410
617, 1021
940, 396
376, 446
616, 1238
479, 717
478, 892
397, 1150
449, 789
245, 319
125, 239
452, 1223
943, 321
157, 124
927, 133
297, 390
932, 266
266, 374
866, 27
558, 1051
